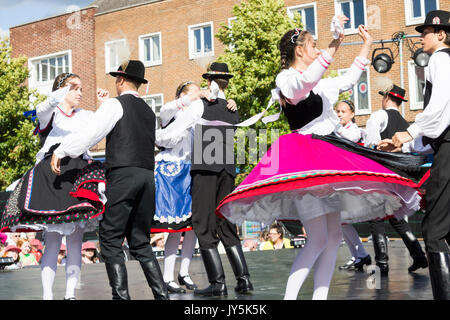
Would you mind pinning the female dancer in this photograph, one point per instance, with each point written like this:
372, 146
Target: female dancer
348, 129
304, 177
64, 205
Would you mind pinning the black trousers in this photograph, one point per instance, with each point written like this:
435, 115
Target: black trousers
129, 212
436, 222
208, 189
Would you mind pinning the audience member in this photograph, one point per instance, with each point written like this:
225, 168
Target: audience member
62, 255
89, 253
12, 251
276, 238
36, 248
27, 258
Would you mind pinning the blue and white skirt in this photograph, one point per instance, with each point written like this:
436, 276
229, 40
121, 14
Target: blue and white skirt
173, 197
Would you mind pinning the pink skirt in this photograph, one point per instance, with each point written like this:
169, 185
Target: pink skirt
303, 178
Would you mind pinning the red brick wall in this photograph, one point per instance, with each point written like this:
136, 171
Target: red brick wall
53, 35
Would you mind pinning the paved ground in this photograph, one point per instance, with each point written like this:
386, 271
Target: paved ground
269, 272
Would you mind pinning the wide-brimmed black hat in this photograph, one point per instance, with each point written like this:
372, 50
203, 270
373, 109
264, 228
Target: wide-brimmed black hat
437, 19
217, 70
395, 92
134, 70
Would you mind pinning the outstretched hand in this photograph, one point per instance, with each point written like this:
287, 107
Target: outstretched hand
102, 95
364, 34
388, 145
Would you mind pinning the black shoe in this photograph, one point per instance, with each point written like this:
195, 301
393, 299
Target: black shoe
418, 263
182, 282
360, 262
384, 268
239, 266
172, 289
215, 273
118, 280
348, 265
155, 279
439, 268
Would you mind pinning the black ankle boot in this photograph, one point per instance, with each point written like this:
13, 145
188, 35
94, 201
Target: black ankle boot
380, 247
360, 262
155, 279
239, 266
215, 273
439, 268
420, 262
118, 280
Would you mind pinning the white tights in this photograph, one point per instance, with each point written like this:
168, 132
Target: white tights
73, 262
170, 253
320, 251
353, 241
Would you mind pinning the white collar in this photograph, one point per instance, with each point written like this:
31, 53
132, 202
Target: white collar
221, 95
134, 93
392, 108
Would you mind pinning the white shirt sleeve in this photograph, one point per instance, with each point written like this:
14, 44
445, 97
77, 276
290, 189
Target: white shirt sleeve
45, 109
170, 109
351, 132
295, 85
174, 133
350, 78
436, 116
98, 127
374, 126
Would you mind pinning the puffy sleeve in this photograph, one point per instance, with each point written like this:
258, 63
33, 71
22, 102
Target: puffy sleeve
170, 109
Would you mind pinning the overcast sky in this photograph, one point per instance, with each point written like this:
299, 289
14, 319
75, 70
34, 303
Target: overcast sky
17, 12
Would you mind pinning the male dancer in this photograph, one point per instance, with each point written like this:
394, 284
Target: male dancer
211, 182
433, 124
129, 126
383, 124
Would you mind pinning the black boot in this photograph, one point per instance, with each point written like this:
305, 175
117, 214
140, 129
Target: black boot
215, 273
118, 280
360, 262
239, 266
415, 250
439, 266
380, 247
155, 279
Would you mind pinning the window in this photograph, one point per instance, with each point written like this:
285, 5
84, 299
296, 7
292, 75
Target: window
308, 12
150, 49
416, 76
416, 10
230, 25
201, 40
155, 101
360, 93
354, 10
113, 50
44, 70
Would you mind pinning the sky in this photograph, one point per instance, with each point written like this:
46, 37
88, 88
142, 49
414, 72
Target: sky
17, 12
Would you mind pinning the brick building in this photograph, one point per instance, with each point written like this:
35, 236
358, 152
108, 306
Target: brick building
175, 39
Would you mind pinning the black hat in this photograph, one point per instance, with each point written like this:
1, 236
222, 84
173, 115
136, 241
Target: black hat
395, 92
217, 70
438, 19
134, 70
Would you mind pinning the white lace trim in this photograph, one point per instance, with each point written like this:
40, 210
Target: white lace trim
64, 229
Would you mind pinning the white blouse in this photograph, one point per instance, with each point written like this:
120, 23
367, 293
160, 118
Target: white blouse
350, 131
296, 86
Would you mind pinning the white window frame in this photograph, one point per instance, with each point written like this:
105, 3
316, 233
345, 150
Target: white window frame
153, 107
337, 11
142, 49
192, 53
413, 94
230, 20
409, 19
290, 13
33, 83
107, 57
359, 112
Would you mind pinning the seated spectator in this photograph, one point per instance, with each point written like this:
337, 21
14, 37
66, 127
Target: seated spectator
263, 238
36, 248
12, 238
157, 242
12, 251
62, 255
89, 253
276, 239
27, 258
250, 245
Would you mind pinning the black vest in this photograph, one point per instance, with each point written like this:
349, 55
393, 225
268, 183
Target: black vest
396, 123
131, 143
426, 100
214, 145
303, 112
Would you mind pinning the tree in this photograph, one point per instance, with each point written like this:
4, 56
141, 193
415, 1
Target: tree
18, 145
253, 57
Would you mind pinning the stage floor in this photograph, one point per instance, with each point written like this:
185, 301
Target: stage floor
269, 271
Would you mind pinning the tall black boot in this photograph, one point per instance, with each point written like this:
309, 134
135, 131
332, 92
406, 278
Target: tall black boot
155, 279
239, 266
415, 250
215, 273
118, 280
439, 266
380, 247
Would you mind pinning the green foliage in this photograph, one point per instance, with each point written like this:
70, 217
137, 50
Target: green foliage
255, 59
18, 146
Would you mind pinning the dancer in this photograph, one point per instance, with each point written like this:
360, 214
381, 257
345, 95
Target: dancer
433, 124
129, 127
348, 129
39, 194
309, 178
